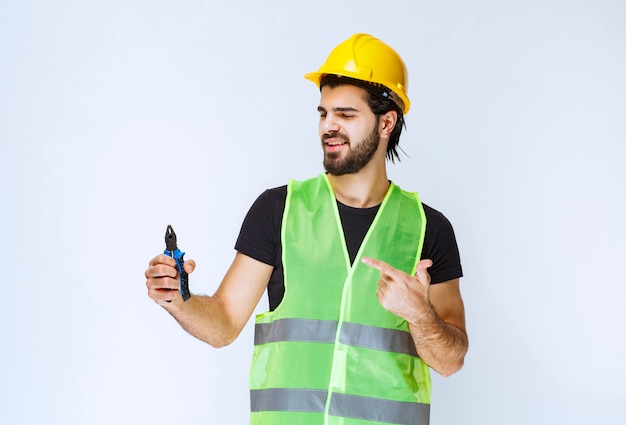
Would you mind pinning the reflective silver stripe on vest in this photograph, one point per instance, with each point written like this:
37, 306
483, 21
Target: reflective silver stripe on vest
287, 400
392, 340
343, 405
307, 330
303, 330
375, 409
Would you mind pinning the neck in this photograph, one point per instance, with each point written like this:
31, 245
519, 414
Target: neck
364, 189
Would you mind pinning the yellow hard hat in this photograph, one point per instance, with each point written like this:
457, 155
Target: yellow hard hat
368, 59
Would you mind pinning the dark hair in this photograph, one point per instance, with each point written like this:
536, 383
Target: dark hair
380, 102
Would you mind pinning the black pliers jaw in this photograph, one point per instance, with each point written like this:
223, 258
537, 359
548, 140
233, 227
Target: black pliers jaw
171, 249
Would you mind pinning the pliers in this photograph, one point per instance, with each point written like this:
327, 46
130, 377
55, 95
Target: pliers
171, 249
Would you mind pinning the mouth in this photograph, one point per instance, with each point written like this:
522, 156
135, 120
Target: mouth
334, 146
334, 142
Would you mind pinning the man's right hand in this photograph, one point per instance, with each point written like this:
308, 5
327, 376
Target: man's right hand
163, 280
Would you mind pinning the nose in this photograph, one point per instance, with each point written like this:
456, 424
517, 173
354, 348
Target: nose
328, 124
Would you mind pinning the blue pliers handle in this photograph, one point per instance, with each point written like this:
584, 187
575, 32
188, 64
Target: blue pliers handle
171, 249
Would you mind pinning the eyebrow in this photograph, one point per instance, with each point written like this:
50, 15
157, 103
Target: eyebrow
338, 109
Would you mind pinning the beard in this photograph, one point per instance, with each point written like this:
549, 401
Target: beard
355, 158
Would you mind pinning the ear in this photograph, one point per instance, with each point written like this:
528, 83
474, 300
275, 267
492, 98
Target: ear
387, 123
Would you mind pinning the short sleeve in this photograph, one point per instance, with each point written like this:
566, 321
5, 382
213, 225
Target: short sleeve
441, 247
259, 236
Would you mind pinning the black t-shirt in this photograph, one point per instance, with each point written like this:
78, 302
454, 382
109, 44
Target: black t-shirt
260, 239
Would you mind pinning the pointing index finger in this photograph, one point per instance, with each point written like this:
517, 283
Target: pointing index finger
381, 266
372, 262
389, 270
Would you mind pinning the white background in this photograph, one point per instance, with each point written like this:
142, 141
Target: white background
120, 117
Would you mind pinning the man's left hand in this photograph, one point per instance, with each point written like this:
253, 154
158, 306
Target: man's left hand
400, 293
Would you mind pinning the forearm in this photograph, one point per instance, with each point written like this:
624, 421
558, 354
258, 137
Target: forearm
440, 345
205, 318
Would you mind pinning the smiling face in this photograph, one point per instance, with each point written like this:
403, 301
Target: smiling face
348, 129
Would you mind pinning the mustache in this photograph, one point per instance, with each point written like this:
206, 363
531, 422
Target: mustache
335, 135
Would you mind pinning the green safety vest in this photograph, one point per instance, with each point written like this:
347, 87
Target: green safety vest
330, 353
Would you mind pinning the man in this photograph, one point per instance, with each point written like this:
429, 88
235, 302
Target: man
362, 278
